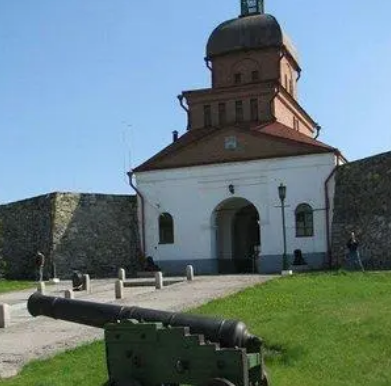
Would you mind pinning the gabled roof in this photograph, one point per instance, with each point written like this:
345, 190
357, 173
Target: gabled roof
207, 146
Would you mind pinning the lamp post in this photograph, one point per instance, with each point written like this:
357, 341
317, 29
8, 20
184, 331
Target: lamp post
282, 195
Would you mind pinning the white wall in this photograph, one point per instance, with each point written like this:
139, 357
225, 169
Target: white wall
191, 195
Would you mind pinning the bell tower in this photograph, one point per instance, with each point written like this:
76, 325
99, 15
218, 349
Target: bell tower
251, 7
254, 73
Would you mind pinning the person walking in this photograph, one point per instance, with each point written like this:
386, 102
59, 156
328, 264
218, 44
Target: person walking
353, 257
39, 265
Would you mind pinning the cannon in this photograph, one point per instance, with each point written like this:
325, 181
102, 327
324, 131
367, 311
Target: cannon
147, 347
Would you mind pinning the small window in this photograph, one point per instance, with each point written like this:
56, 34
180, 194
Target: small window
291, 86
286, 82
222, 114
230, 143
207, 116
238, 111
255, 76
304, 221
166, 229
296, 123
254, 109
238, 78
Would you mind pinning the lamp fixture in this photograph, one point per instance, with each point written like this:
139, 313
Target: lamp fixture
231, 188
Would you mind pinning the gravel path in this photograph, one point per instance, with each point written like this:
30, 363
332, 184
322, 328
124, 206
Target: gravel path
30, 338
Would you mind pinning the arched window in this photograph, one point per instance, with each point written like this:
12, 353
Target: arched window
304, 216
166, 229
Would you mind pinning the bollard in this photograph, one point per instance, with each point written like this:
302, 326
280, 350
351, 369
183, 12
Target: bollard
158, 280
121, 274
190, 273
5, 317
41, 287
119, 289
86, 283
69, 294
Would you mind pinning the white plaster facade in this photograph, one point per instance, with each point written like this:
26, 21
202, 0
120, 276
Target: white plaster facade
192, 194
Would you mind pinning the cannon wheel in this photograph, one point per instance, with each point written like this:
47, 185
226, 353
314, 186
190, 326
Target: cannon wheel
265, 378
219, 382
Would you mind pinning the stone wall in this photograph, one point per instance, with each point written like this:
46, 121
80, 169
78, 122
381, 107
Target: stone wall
362, 203
93, 233
26, 227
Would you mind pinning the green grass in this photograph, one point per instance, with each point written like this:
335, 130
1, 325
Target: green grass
319, 330
9, 285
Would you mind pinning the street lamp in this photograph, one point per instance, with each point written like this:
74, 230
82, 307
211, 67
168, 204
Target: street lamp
282, 195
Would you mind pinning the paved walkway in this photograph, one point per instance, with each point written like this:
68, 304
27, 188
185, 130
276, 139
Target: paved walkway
30, 338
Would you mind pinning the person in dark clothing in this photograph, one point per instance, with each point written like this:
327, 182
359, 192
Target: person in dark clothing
39, 264
353, 258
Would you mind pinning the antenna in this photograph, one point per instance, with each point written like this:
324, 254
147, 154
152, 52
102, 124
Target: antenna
127, 156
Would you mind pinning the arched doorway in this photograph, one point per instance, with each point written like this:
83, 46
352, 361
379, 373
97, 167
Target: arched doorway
236, 224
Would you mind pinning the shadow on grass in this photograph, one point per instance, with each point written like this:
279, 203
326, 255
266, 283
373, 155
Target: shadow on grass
277, 354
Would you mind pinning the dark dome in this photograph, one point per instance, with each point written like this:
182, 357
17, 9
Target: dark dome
256, 31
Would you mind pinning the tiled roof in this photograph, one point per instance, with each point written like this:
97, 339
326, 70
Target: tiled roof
274, 140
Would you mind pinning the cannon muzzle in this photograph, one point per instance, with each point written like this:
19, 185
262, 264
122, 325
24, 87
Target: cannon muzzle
226, 332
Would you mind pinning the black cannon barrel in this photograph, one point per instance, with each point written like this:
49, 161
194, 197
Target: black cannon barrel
226, 332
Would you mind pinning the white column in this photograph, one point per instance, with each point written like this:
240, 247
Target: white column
119, 289
5, 316
121, 274
158, 280
190, 273
86, 283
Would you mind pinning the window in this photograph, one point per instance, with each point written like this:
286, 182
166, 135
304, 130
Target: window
255, 76
286, 82
238, 78
207, 116
291, 86
254, 109
296, 123
304, 221
238, 111
166, 229
222, 114
230, 143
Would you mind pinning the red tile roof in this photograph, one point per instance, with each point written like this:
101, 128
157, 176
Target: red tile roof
274, 132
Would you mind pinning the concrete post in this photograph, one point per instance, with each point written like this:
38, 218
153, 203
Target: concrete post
190, 273
158, 280
5, 317
121, 274
86, 283
69, 294
41, 287
119, 289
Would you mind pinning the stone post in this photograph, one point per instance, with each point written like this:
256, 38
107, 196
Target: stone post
69, 294
158, 280
121, 274
41, 287
119, 289
190, 273
5, 317
86, 283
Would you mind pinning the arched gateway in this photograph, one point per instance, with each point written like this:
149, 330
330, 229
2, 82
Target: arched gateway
237, 235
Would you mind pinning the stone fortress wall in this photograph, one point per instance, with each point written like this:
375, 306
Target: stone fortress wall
362, 203
94, 233
98, 233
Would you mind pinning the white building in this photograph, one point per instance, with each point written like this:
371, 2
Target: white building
211, 198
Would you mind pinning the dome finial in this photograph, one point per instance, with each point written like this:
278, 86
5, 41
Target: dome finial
251, 7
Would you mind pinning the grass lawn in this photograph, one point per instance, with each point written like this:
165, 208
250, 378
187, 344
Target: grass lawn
319, 330
9, 285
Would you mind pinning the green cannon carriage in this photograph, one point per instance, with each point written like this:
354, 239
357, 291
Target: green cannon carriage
146, 347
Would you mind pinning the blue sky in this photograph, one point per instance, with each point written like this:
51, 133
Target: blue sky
88, 88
